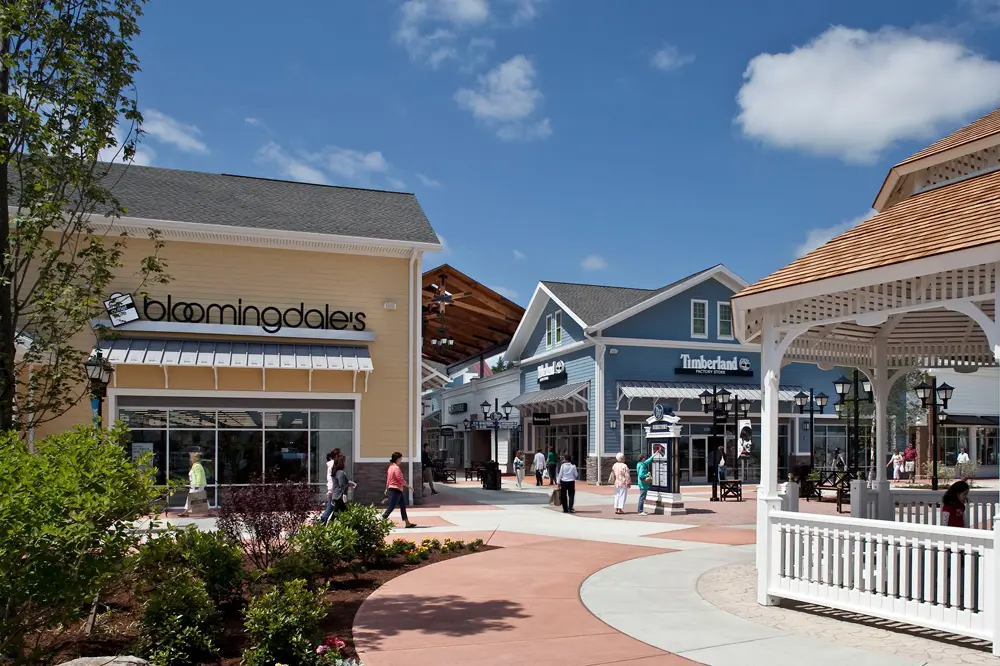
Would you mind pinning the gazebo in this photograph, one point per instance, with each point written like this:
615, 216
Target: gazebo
914, 287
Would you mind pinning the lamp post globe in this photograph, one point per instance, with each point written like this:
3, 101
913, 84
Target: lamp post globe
821, 400
801, 399
842, 385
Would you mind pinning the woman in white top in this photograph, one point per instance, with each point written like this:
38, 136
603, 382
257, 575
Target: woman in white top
622, 480
519, 469
897, 465
567, 476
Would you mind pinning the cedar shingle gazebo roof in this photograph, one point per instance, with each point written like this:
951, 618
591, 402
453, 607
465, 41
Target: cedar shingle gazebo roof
916, 284
479, 320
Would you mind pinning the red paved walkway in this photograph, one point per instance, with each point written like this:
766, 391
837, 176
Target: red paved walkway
516, 605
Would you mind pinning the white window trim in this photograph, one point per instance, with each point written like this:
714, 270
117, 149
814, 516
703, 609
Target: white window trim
700, 336
718, 321
548, 332
557, 332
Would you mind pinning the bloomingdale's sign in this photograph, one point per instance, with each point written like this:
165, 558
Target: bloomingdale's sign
736, 366
122, 309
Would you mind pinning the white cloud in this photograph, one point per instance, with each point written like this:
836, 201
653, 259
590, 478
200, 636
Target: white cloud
818, 237
506, 100
852, 93
143, 155
353, 166
445, 248
253, 122
505, 292
428, 181
526, 11
396, 183
669, 58
168, 130
427, 28
519, 256
594, 262
290, 167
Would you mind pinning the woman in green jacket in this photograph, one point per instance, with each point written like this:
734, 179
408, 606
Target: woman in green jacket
642, 471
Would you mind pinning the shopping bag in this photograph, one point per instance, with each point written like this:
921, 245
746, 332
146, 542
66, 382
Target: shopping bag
554, 499
545, 473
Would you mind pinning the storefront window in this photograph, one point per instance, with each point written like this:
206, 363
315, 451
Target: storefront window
240, 446
827, 439
986, 446
953, 440
635, 442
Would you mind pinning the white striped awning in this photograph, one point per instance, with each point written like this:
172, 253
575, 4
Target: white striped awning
693, 390
566, 392
211, 354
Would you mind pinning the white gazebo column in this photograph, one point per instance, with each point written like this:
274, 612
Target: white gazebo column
768, 499
881, 387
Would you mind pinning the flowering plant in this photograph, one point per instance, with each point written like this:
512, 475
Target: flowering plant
329, 653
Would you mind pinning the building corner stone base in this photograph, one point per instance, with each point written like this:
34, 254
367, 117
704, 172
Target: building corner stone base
370, 478
606, 463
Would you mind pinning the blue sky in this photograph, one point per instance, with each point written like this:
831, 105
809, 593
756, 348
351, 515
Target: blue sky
603, 141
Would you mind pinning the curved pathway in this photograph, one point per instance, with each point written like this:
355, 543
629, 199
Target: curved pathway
519, 604
664, 609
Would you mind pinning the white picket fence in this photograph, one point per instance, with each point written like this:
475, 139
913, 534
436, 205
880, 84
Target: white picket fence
941, 578
923, 507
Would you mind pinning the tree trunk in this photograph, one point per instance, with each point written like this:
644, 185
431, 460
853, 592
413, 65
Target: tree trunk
8, 324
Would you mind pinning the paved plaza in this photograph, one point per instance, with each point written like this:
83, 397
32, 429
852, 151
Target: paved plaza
593, 588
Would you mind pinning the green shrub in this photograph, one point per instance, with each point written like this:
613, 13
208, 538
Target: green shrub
66, 513
371, 528
179, 623
294, 565
282, 625
330, 546
209, 555
476, 545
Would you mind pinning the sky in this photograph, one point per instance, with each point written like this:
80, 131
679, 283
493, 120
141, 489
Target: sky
621, 142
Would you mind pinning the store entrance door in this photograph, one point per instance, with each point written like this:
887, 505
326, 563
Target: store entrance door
699, 459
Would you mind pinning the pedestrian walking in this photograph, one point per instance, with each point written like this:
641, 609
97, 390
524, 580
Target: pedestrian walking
427, 468
196, 478
645, 478
551, 462
519, 468
395, 489
721, 458
341, 484
622, 479
896, 465
328, 511
539, 467
910, 461
568, 475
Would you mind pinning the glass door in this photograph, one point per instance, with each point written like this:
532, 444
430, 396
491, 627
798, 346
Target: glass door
699, 459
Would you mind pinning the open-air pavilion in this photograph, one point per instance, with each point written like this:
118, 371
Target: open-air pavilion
914, 287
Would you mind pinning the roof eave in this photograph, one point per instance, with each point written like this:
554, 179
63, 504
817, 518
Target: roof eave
227, 234
532, 314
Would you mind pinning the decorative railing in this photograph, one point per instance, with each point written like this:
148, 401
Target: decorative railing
923, 507
941, 578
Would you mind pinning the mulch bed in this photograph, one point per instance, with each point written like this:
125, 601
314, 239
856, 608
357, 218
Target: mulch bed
116, 629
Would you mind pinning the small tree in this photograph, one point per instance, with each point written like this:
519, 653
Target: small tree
66, 81
66, 517
500, 366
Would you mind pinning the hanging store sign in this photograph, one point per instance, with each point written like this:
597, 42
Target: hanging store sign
121, 309
548, 372
489, 425
447, 431
540, 418
746, 438
736, 366
458, 408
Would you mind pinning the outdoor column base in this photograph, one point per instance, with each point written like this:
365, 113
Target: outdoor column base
665, 504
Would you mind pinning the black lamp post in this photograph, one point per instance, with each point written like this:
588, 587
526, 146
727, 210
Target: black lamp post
934, 398
719, 403
99, 372
496, 417
818, 400
843, 387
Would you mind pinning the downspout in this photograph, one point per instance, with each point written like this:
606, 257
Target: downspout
410, 396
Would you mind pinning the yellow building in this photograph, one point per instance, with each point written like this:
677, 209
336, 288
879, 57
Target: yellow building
291, 326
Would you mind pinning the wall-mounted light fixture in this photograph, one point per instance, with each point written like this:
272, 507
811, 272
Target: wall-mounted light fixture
612, 423
389, 305
613, 351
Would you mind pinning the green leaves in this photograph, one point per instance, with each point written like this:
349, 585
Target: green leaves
66, 517
282, 624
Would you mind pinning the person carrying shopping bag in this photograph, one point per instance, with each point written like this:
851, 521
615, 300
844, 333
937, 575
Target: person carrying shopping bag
539, 467
622, 479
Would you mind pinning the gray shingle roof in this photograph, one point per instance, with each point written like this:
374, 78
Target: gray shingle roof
594, 303
242, 201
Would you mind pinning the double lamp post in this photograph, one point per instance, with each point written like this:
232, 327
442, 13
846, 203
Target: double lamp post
935, 399
843, 386
493, 418
99, 372
813, 400
720, 403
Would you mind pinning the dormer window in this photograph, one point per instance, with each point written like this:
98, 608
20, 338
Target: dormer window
699, 319
553, 330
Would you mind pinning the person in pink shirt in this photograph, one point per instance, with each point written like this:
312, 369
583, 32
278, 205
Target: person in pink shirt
395, 489
622, 479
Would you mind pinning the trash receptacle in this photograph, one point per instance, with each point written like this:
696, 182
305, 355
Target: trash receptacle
491, 476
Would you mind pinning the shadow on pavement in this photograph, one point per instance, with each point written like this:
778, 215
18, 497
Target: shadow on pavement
382, 618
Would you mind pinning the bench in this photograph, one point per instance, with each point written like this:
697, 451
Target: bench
837, 481
448, 476
731, 489
469, 472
